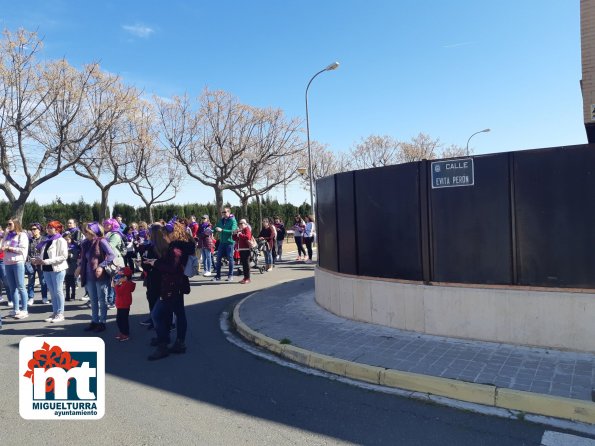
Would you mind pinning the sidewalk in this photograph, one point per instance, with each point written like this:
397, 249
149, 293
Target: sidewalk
534, 380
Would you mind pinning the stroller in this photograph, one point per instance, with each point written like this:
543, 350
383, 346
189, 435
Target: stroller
254, 253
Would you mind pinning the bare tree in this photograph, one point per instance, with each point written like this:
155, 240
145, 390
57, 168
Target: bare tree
454, 151
324, 162
420, 147
118, 158
211, 144
160, 176
50, 116
272, 159
375, 151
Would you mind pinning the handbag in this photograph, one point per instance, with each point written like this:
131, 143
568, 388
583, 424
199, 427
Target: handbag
252, 242
191, 267
114, 266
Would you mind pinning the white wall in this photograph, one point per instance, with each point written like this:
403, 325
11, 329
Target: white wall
517, 315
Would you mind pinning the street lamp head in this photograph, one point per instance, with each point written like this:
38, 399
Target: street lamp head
301, 171
485, 130
332, 66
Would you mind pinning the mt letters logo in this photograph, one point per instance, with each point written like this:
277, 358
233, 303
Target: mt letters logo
61, 378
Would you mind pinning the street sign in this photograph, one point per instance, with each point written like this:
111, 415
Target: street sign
592, 112
452, 173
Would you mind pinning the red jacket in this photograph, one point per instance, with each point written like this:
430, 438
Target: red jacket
124, 294
243, 238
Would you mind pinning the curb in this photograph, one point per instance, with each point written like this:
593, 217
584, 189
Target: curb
487, 395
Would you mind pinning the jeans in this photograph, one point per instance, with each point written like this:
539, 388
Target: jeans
308, 242
111, 296
280, 248
207, 264
300, 246
268, 257
36, 270
227, 251
162, 318
3, 281
55, 284
15, 276
98, 291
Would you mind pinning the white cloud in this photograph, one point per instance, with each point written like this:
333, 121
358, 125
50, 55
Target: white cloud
138, 30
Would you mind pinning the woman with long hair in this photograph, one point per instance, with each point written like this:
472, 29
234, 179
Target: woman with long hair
174, 284
151, 251
298, 232
309, 234
96, 254
53, 255
15, 245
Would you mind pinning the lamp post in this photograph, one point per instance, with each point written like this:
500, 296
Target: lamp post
467, 147
331, 67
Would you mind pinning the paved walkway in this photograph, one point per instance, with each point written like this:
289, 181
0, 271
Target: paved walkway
289, 312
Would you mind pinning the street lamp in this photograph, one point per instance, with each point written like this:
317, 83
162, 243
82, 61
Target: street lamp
481, 131
331, 67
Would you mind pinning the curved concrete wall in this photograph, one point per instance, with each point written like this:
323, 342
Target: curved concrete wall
546, 318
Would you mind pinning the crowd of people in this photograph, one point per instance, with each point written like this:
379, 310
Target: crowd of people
102, 259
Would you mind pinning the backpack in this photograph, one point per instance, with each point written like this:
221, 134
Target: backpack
191, 268
121, 246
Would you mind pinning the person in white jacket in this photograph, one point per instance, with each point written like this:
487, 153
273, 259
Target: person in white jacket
53, 253
15, 245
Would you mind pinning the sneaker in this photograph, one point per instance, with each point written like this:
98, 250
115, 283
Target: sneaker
118, 336
85, 298
49, 319
308, 261
12, 313
10, 304
2, 299
124, 338
21, 315
111, 306
245, 281
44, 301
229, 279
216, 279
59, 318
99, 328
147, 322
207, 274
30, 301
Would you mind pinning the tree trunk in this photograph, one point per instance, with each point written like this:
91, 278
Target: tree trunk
18, 206
259, 211
218, 198
149, 209
104, 209
244, 203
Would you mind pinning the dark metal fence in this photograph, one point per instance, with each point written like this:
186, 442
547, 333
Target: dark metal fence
527, 219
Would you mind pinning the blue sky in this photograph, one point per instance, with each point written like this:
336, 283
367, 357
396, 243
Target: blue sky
447, 69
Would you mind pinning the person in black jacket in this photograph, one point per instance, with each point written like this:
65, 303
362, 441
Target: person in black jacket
151, 276
174, 284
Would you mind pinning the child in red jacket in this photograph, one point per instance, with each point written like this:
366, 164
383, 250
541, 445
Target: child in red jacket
124, 287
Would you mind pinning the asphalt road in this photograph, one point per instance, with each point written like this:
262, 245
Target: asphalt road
219, 394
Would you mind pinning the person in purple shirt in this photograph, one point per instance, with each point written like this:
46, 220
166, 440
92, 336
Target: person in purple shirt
96, 254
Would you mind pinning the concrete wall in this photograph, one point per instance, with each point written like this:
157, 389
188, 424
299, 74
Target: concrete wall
547, 318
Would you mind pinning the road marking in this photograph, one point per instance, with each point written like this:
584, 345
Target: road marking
551, 438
